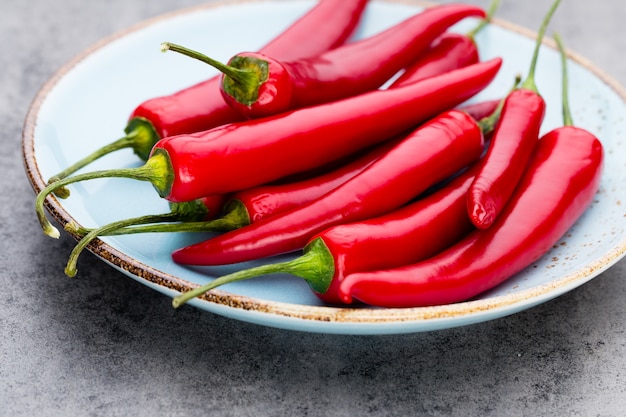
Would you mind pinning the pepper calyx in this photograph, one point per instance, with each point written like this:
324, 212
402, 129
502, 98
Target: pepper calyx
246, 90
320, 266
159, 171
316, 266
189, 211
144, 136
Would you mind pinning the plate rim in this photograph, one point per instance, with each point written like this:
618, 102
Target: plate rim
170, 284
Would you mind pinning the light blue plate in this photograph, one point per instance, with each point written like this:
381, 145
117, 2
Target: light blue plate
87, 102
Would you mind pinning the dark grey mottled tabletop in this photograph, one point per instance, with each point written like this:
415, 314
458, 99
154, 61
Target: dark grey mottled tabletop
105, 345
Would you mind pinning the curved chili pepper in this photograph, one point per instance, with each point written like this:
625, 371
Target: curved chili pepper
448, 52
201, 106
431, 153
245, 154
264, 201
558, 186
512, 144
240, 209
258, 85
403, 236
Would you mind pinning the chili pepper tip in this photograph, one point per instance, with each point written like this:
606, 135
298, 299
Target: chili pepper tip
47, 227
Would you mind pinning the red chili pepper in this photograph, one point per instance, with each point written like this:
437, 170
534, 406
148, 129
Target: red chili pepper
512, 143
201, 106
258, 85
431, 153
245, 154
450, 51
264, 201
558, 186
410, 234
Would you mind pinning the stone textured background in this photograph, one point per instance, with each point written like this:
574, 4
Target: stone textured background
104, 345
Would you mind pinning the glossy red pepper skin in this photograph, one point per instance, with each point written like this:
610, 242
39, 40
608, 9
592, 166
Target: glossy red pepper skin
268, 200
201, 106
450, 51
348, 70
512, 143
433, 152
214, 205
556, 189
246, 154
481, 109
410, 234
221, 213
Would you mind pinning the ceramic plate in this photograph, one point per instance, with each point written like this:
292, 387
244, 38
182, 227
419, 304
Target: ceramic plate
86, 104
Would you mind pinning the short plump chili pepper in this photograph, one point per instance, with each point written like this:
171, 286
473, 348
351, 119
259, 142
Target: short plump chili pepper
449, 51
558, 186
428, 155
201, 106
410, 234
239, 210
511, 146
258, 85
246, 154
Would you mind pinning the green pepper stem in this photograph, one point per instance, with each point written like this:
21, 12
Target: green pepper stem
157, 170
121, 143
488, 124
118, 227
316, 266
529, 82
223, 224
493, 7
70, 268
140, 136
567, 114
245, 77
235, 218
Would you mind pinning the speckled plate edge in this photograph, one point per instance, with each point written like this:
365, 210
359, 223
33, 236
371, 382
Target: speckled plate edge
345, 320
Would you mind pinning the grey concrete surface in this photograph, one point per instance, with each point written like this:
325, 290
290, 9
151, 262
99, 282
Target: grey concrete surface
104, 345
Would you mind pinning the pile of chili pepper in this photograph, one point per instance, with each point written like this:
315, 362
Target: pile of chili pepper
394, 195
446, 53
200, 106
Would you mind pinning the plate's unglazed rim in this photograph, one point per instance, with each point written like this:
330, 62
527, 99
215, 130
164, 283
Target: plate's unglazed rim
339, 315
